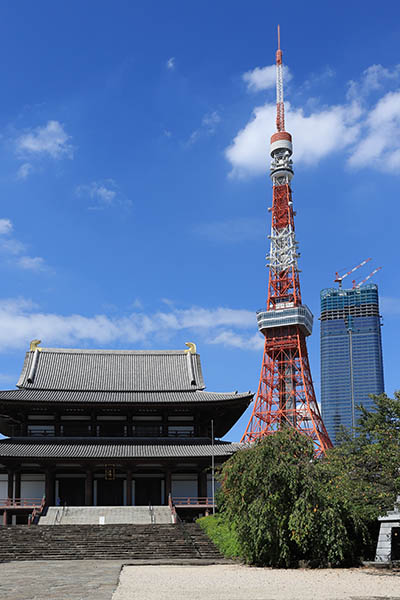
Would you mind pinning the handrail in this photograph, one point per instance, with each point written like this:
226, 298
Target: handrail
20, 502
151, 511
193, 501
174, 516
62, 511
36, 512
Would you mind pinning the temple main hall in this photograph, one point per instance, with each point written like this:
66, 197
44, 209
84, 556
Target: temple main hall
113, 428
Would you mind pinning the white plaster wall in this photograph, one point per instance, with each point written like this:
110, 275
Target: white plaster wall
33, 486
184, 485
3, 486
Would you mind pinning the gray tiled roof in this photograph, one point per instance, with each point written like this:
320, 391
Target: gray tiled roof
113, 370
112, 449
24, 395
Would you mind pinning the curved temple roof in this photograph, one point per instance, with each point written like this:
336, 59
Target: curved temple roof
111, 370
62, 376
78, 396
115, 449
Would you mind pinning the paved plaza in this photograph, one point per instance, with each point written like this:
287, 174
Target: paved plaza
103, 580
59, 580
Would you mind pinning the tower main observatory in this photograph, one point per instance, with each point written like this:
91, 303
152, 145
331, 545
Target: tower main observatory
285, 394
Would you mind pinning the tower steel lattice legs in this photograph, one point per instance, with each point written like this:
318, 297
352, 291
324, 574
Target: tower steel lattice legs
285, 395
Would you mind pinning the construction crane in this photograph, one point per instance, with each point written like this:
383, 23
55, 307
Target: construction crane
339, 278
366, 279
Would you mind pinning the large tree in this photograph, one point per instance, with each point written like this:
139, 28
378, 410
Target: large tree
287, 506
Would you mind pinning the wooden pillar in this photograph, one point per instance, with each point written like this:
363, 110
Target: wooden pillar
10, 484
164, 424
93, 424
129, 425
17, 491
89, 488
196, 431
49, 487
168, 484
129, 487
57, 423
202, 484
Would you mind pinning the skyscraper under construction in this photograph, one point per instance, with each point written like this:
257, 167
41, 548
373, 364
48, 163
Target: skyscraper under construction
351, 354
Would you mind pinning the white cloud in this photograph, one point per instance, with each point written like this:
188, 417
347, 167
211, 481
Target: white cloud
236, 230
21, 321
24, 171
314, 136
103, 193
31, 263
208, 126
210, 120
373, 79
12, 246
170, 64
15, 251
380, 145
49, 140
235, 340
264, 78
5, 226
137, 304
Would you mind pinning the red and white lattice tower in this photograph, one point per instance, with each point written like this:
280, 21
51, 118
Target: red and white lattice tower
285, 394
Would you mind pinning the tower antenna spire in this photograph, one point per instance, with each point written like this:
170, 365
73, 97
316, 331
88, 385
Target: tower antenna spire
280, 108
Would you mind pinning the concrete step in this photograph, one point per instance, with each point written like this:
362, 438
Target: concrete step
83, 542
94, 515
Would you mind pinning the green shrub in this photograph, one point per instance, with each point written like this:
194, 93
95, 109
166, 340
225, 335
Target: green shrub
222, 534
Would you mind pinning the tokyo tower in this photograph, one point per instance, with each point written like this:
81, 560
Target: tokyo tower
285, 395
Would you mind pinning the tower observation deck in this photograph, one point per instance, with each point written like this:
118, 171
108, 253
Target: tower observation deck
285, 394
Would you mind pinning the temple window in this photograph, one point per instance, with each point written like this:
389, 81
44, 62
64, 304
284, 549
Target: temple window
75, 429
41, 430
147, 426
180, 430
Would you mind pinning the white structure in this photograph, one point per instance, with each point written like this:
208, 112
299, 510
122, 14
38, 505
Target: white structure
388, 522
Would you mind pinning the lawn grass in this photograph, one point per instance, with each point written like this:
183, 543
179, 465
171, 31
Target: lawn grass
222, 534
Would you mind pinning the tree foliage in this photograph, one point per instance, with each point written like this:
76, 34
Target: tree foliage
277, 501
286, 506
365, 466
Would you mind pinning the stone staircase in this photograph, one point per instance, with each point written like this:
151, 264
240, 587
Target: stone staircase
106, 515
159, 543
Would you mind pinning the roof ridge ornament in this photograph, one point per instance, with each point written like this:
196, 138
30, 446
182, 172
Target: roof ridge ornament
34, 365
34, 345
191, 348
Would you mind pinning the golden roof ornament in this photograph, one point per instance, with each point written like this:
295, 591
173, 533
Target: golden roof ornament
191, 348
34, 345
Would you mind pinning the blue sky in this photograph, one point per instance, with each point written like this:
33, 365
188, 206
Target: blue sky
133, 172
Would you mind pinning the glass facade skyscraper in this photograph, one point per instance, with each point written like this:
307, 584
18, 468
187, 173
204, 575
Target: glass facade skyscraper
351, 354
